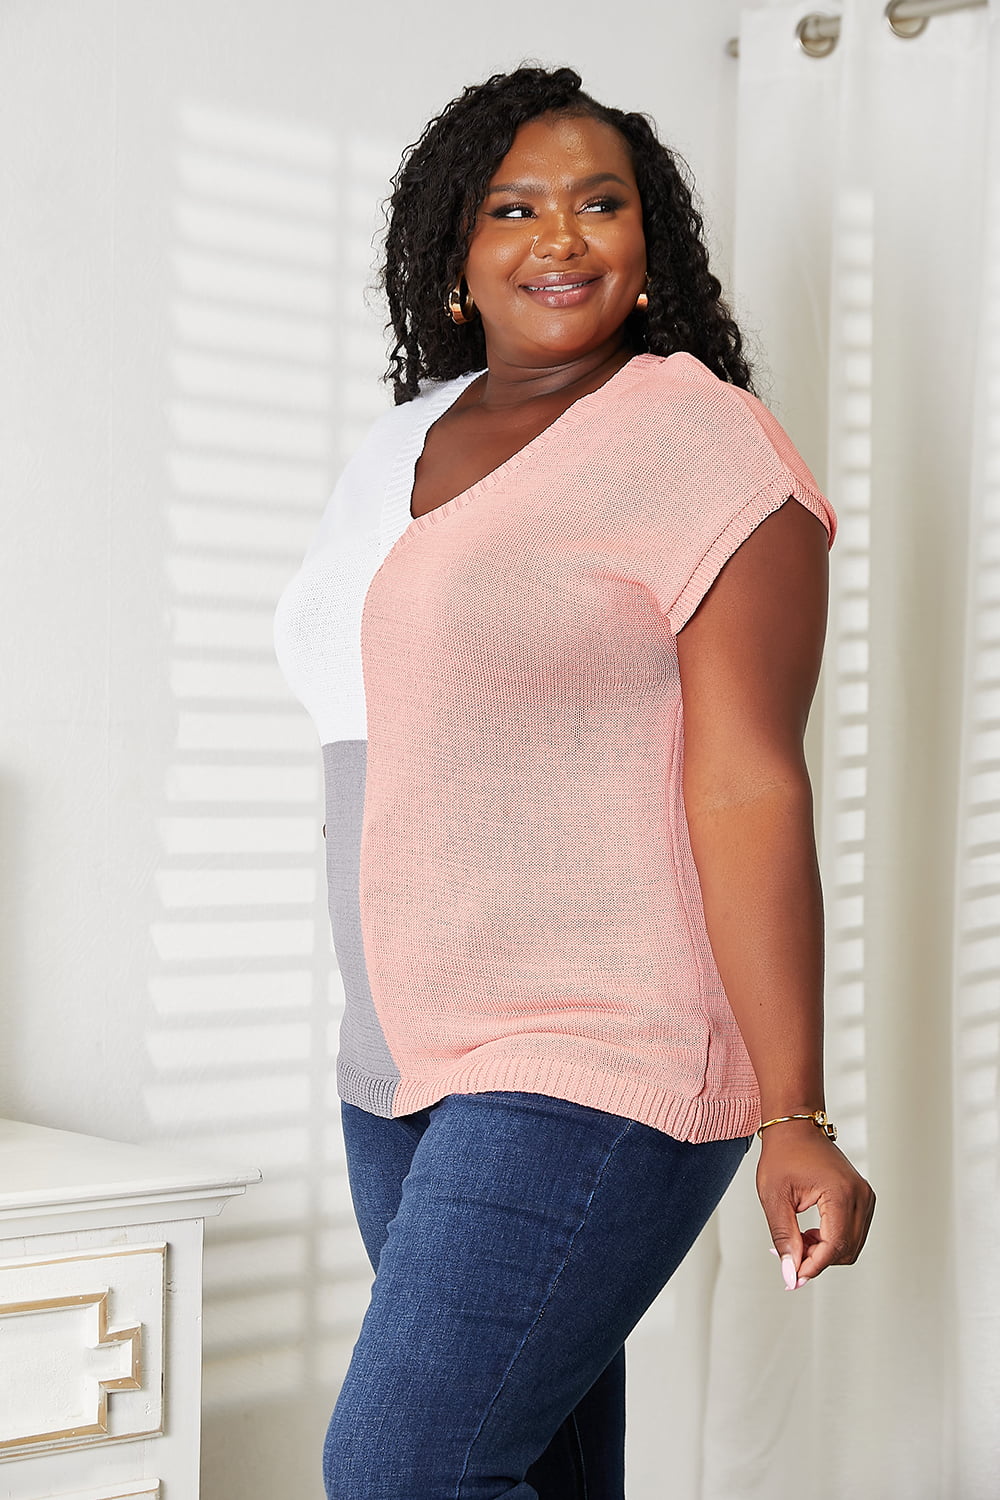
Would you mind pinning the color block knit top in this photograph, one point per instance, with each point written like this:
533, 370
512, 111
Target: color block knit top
513, 896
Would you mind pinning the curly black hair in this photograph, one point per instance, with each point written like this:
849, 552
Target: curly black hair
436, 196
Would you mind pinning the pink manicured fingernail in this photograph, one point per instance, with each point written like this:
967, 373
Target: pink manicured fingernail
773, 1250
788, 1271
802, 1281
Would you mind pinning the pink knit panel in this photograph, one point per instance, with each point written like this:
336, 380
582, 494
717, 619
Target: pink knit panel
531, 911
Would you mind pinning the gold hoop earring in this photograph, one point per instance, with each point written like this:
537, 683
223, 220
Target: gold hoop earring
460, 307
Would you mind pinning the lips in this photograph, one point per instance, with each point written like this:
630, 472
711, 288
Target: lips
561, 290
557, 281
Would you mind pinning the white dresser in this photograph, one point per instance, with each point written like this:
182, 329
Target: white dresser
100, 1315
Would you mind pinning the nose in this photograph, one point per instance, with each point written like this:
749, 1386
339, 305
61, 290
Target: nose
559, 236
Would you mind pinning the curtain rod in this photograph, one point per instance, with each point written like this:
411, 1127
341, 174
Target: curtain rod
817, 34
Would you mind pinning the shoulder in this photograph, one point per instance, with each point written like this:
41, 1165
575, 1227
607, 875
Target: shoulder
680, 388
374, 469
433, 397
396, 434
396, 423
717, 425
678, 403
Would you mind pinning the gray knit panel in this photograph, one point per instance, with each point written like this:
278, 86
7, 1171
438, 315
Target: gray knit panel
366, 1073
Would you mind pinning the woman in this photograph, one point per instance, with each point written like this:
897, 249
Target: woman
573, 882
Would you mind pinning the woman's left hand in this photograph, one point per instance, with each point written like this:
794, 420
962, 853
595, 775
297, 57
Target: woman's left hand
800, 1168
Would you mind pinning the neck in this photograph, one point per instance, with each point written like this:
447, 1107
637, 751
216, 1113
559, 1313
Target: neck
511, 383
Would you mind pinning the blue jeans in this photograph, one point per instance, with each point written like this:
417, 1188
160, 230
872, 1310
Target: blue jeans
517, 1240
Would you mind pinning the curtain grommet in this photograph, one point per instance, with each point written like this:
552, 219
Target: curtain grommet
817, 34
901, 27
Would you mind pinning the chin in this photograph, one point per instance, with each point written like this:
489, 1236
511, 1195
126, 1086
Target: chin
574, 348
570, 336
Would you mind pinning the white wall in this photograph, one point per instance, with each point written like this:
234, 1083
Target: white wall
188, 193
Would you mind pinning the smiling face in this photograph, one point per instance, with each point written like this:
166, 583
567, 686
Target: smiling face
558, 256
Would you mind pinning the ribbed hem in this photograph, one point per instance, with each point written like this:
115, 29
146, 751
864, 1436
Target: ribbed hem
698, 1119
376, 1095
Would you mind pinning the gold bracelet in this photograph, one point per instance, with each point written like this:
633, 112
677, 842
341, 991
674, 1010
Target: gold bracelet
818, 1117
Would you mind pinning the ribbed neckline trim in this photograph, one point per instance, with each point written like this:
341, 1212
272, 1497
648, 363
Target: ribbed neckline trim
396, 498
400, 488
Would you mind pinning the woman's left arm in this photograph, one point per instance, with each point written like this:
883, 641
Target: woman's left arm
749, 660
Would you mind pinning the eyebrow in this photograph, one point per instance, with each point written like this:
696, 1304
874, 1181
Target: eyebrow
537, 187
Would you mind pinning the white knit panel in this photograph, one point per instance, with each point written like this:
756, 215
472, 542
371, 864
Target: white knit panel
317, 621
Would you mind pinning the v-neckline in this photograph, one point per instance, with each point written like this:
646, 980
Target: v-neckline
399, 495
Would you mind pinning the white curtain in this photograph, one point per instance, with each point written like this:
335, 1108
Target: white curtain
867, 271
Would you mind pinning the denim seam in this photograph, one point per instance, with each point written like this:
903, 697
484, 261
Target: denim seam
545, 1302
580, 1458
